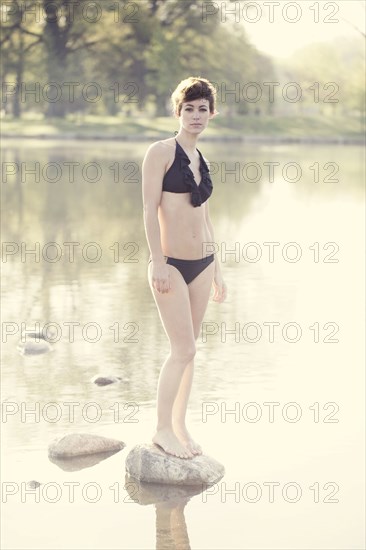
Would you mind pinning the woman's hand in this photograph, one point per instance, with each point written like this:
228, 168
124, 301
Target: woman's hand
160, 276
220, 290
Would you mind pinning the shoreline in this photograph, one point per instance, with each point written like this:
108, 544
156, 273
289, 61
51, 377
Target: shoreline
254, 138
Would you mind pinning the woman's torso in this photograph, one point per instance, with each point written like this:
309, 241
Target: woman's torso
183, 228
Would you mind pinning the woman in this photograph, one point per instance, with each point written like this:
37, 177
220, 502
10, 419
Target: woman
176, 185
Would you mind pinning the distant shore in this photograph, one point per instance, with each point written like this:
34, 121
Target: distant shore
247, 129
341, 140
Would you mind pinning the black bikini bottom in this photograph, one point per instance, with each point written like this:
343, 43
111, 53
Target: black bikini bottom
189, 268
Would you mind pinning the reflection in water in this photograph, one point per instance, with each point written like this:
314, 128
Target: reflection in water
83, 267
170, 501
76, 463
171, 528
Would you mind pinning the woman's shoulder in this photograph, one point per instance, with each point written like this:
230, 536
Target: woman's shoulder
163, 144
160, 154
163, 148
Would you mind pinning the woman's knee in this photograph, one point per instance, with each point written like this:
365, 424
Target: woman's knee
184, 354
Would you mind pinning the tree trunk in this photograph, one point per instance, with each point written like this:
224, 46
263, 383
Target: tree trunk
160, 105
17, 110
55, 39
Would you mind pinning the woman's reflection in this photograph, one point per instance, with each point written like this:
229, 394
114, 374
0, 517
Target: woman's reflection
170, 501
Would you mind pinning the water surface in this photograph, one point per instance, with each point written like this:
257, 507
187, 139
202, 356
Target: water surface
282, 410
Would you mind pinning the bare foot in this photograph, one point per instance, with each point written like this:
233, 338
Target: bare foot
168, 441
185, 438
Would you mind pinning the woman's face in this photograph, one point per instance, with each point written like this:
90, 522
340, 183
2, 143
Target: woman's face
195, 115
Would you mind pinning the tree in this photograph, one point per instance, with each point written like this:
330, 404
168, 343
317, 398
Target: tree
16, 43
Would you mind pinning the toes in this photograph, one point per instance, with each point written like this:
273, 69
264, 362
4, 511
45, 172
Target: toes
187, 453
178, 454
195, 449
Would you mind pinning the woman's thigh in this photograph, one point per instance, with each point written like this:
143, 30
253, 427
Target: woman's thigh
199, 294
175, 312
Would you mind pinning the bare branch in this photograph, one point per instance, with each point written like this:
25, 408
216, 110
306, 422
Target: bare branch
354, 26
30, 46
30, 32
85, 45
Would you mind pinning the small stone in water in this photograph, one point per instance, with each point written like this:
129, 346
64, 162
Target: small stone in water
33, 484
105, 380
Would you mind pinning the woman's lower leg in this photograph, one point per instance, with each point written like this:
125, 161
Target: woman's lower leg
168, 386
180, 409
171, 375
181, 401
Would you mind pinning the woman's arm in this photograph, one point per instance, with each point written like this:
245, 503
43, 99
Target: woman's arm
220, 288
210, 228
152, 176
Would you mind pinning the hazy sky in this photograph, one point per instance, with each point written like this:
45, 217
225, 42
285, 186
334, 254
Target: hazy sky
281, 38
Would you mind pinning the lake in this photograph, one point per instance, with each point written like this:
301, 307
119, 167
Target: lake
278, 393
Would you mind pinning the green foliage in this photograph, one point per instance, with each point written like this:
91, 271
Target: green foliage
337, 66
149, 53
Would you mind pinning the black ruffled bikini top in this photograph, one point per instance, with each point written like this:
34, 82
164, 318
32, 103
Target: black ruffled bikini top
179, 178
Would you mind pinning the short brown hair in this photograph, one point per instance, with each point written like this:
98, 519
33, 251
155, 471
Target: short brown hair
190, 89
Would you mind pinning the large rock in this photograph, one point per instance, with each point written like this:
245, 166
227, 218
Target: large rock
72, 445
149, 463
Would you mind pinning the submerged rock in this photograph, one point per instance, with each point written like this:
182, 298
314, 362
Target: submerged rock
33, 484
72, 445
105, 380
49, 334
76, 463
32, 347
148, 463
